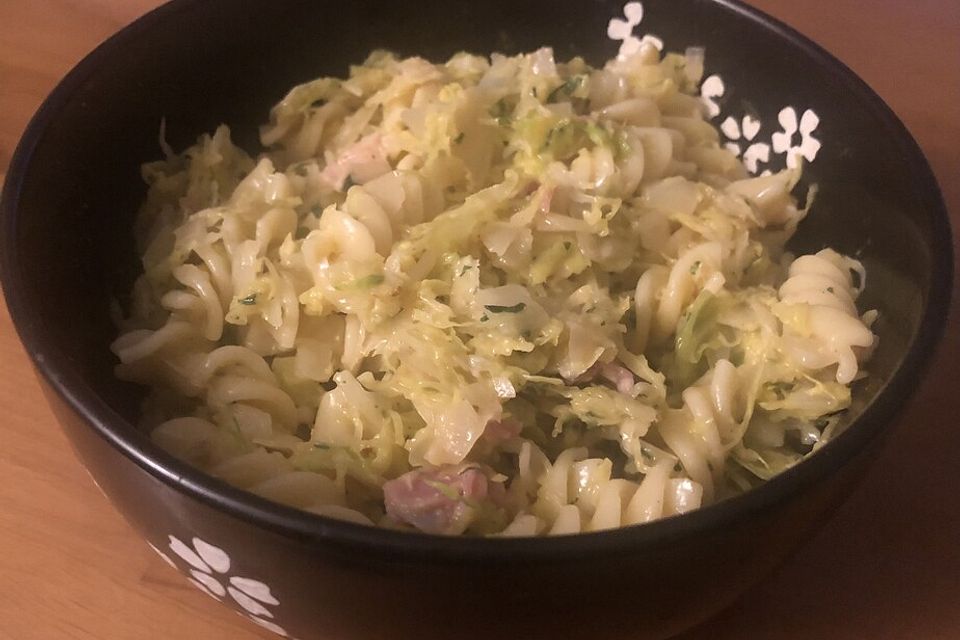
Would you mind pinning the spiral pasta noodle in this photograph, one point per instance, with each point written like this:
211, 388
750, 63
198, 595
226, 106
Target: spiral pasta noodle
494, 296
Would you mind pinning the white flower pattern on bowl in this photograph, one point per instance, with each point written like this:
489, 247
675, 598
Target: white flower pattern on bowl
783, 141
746, 129
742, 131
209, 568
711, 89
622, 30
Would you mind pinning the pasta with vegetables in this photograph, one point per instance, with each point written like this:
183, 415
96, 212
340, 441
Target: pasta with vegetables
495, 296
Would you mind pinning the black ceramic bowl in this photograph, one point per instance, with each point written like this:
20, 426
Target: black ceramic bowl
67, 250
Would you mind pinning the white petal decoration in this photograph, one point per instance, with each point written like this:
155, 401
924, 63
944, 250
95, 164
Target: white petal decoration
781, 141
755, 153
165, 557
634, 13
652, 40
751, 127
618, 29
788, 120
711, 89
730, 128
808, 122
248, 603
209, 582
213, 556
203, 587
255, 589
810, 148
629, 47
188, 555
266, 624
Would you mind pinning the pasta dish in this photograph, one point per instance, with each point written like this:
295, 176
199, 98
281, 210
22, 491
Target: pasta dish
493, 296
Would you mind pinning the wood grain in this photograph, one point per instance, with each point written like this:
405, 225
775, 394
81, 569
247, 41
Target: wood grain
888, 567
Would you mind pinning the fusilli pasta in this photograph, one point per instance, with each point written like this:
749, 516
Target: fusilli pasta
494, 296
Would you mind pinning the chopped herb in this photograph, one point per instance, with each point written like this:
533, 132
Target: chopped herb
321, 445
565, 90
646, 454
567, 245
301, 170
319, 102
829, 289
484, 318
695, 268
598, 135
501, 111
370, 281
459, 138
316, 210
555, 133
678, 467
623, 145
496, 308
780, 389
822, 423
465, 268
249, 300
365, 282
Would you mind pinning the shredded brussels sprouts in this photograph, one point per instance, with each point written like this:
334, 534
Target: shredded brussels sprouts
491, 296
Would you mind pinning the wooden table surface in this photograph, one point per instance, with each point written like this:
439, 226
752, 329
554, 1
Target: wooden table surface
888, 566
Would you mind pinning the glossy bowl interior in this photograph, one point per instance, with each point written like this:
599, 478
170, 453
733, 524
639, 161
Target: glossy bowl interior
66, 253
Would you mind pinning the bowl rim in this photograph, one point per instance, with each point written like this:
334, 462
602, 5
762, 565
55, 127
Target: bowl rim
120, 434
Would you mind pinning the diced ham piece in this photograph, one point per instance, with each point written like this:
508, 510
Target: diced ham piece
436, 500
499, 431
620, 377
362, 161
617, 375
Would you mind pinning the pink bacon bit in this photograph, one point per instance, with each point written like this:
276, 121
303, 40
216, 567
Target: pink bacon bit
366, 151
436, 500
620, 377
617, 375
499, 431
